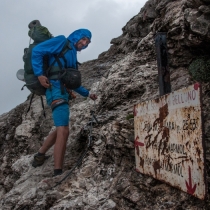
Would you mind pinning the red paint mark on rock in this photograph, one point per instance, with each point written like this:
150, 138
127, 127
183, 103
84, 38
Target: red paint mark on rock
137, 170
196, 86
135, 112
137, 144
190, 189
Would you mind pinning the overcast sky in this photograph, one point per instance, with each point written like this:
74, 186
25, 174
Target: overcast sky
104, 18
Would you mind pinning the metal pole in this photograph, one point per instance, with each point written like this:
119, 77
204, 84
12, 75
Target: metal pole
162, 63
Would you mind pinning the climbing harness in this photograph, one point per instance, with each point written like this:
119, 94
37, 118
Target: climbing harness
88, 127
58, 102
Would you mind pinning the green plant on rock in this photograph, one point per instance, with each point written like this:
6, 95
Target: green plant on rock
130, 116
200, 69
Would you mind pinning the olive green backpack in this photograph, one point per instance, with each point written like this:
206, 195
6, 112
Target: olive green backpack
38, 34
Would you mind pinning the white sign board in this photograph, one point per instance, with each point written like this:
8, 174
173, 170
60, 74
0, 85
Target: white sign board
168, 140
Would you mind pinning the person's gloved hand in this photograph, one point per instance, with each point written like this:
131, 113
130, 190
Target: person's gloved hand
44, 81
93, 96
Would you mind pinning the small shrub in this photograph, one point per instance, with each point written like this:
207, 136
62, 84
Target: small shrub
200, 69
130, 116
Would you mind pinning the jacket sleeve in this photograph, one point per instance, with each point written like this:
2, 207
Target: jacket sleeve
82, 91
49, 47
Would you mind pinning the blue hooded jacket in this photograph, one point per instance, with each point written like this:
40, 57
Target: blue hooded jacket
54, 46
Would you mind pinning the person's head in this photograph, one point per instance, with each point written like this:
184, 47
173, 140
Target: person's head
80, 38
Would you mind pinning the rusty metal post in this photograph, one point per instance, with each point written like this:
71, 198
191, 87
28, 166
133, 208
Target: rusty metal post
162, 62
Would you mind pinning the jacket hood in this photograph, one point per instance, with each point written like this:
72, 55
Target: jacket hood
79, 34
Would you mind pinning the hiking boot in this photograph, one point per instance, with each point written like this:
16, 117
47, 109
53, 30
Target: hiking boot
54, 175
39, 160
57, 172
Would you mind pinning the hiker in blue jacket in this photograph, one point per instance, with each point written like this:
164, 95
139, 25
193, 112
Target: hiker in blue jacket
56, 95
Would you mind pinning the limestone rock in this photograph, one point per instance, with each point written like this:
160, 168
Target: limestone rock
124, 75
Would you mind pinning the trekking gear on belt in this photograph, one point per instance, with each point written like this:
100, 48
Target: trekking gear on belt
69, 77
71, 94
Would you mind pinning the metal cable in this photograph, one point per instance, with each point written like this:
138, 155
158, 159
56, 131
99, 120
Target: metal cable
79, 160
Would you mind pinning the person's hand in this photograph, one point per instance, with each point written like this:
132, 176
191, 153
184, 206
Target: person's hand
93, 96
44, 81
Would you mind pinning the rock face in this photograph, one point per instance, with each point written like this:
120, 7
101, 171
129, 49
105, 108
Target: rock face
124, 75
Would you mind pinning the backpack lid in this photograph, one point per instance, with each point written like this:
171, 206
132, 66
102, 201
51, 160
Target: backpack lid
34, 23
37, 32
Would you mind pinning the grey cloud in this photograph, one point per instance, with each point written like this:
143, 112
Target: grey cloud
104, 18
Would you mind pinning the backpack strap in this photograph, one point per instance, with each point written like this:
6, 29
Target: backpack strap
61, 73
43, 106
30, 102
62, 53
78, 64
49, 71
